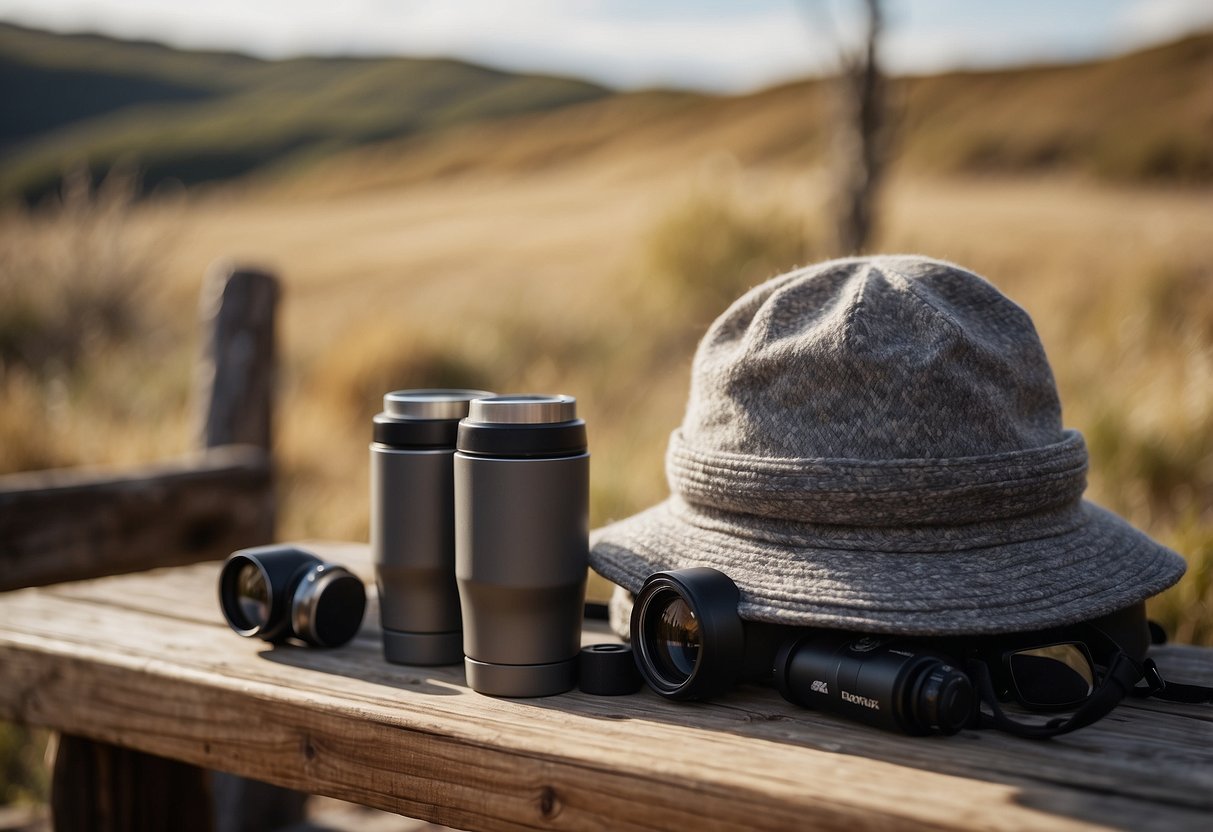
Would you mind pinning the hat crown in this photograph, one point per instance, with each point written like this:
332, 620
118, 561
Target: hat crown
877, 358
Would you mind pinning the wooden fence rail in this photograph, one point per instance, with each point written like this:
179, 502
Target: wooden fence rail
73, 523
80, 523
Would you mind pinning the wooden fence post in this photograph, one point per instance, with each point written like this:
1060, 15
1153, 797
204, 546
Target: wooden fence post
236, 406
72, 524
235, 383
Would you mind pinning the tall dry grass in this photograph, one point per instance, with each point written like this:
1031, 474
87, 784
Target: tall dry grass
93, 368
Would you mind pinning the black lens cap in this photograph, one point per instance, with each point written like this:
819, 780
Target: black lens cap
338, 611
608, 670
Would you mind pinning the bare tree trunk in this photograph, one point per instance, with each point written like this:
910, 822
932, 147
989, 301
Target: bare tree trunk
860, 150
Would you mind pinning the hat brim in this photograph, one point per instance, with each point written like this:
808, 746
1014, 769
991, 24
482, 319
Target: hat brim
1099, 566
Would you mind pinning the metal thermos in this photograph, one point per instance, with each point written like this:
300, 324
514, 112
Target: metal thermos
522, 482
413, 524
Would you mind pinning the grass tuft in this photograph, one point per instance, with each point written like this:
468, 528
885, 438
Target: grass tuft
71, 281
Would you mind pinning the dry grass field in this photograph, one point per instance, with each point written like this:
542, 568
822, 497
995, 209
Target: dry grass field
594, 277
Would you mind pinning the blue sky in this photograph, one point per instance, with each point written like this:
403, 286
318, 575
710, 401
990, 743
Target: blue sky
709, 44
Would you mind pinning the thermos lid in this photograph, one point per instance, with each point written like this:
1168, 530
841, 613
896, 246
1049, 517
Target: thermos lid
430, 404
522, 410
422, 419
522, 427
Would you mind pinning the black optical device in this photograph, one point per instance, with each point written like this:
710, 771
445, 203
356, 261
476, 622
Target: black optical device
688, 639
690, 643
883, 681
279, 592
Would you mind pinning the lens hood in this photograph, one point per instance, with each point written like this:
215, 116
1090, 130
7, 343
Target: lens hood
715, 649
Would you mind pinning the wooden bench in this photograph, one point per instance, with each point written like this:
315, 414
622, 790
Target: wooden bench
144, 662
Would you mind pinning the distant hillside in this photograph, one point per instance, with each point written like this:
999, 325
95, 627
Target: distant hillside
1143, 117
1146, 116
196, 116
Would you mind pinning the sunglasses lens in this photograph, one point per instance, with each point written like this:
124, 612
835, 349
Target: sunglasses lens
1054, 676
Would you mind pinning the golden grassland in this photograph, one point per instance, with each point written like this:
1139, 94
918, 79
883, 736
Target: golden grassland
593, 278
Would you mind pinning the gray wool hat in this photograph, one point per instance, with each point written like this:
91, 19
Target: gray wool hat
876, 444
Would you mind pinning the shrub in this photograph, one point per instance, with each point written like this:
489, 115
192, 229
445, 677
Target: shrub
373, 360
710, 249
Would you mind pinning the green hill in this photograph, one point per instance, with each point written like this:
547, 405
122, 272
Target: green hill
196, 116
1145, 117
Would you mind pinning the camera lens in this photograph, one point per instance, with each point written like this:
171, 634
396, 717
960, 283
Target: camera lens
690, 641
252, 596
675, 642
279, 592
327, 606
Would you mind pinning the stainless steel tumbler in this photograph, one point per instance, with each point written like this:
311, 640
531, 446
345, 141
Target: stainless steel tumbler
522, 482
413, 524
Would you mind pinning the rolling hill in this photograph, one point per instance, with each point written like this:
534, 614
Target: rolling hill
196, 116
199, 116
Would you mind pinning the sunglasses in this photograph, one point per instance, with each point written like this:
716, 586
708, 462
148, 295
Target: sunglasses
1049, 676
1080, 672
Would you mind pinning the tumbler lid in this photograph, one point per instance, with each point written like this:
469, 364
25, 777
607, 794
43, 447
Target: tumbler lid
430, 404
522, 410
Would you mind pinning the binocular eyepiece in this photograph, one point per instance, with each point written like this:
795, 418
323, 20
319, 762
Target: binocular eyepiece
690, 643
278, 592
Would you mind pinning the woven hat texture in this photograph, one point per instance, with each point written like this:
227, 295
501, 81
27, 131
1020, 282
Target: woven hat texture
876, 444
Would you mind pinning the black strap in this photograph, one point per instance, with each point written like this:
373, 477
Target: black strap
1158, 688
1121, 679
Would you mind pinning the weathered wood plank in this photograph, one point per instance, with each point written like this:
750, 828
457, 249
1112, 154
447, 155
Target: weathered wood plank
168, 678
75, 523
